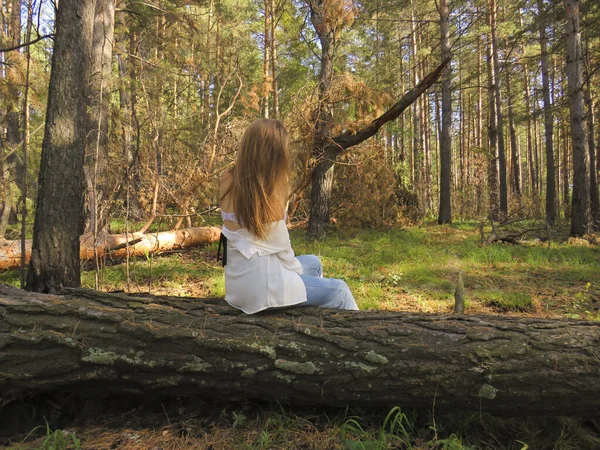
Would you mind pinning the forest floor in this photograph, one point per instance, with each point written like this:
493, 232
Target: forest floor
410, 269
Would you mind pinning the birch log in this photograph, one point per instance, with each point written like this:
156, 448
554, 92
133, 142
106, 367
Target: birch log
117, 245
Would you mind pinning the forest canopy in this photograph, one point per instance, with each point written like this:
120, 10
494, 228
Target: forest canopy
173, 85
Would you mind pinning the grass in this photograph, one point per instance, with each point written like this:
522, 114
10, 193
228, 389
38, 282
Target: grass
410, 269
197, 425
415, 270
395, 269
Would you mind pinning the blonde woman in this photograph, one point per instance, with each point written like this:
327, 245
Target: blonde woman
261, 270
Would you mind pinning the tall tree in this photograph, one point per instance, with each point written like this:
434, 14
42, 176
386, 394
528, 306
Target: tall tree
10, 136
580, 205
548, 119
501, 149
322, 176
55, 251
96, 166
492, 136
445, 214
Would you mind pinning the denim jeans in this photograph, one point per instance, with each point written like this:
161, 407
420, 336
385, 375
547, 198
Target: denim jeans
324, 292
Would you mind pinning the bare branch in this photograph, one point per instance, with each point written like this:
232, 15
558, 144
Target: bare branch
345, 141
26, 44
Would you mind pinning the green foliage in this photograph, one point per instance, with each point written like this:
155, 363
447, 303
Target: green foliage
59, 440
394, 432
453, 443
507, 301
239, 420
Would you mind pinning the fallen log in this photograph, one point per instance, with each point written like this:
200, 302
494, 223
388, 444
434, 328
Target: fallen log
93, 342
86, 341
117, 245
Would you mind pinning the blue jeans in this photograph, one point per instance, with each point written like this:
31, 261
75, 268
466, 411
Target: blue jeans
324, 292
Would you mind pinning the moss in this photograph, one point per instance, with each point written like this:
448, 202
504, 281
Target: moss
284, 377
307, 368
487, 391
361, 366
108, 358
269, 351
376, 358
295, 347
99, 356
195, 365
248, 373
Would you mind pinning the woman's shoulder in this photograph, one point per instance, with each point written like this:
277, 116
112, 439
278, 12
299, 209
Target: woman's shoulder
225, 182
227, 176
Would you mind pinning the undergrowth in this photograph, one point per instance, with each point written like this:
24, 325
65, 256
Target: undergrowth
262, 427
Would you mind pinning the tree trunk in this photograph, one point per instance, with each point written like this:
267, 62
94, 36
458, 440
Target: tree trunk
322, 176
55, 255
548, 120
514, 148
107, 344
267, 85
10, 135
501, 153
445, 213
274, 12
530, 167
119, 245
6, 202
492, 139
417, 132
594, 199
565, 172
97, 161
591, 141
580, 205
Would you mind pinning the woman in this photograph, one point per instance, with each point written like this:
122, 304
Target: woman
262, 271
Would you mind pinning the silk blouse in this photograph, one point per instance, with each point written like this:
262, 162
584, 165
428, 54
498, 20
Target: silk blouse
262, 273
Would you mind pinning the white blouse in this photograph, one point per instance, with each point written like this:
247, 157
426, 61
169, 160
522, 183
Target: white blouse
262, 273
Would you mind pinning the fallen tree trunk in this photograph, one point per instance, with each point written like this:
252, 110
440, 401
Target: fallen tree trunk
117, 245
149, 345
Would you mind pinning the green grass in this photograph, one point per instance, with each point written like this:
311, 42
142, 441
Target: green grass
417, 267
258, 427
411, 269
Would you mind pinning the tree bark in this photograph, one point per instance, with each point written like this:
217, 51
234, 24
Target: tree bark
267, 84
55, 255
10, 135
445, 212
532, 178
580, 205
97, 161
499, 116
107, 344
548, 120
322, 176
515, 164
492, 139
118, 245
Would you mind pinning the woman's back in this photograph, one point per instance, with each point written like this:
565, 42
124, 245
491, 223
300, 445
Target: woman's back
230, 218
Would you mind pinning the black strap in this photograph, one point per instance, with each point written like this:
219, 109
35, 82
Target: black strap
223, 242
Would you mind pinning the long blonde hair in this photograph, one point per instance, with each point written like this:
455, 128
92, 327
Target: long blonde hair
260, 178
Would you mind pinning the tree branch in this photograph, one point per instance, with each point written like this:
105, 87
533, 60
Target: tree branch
345, 141
25, 44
